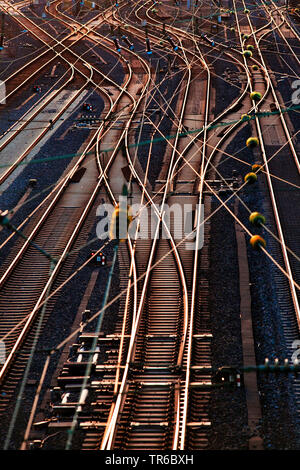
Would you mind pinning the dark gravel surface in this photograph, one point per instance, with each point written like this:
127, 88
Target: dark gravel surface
284, 84
279, 423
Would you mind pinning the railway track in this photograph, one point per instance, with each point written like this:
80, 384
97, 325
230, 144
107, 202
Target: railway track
293, 172
281, 198
147, 429
138, 313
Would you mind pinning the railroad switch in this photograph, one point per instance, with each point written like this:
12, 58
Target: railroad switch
229, 376
42, 424
55, 394
36, 444
31, 383
88, 119
223, 186
161, 424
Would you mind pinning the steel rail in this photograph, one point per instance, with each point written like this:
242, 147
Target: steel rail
181, 420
